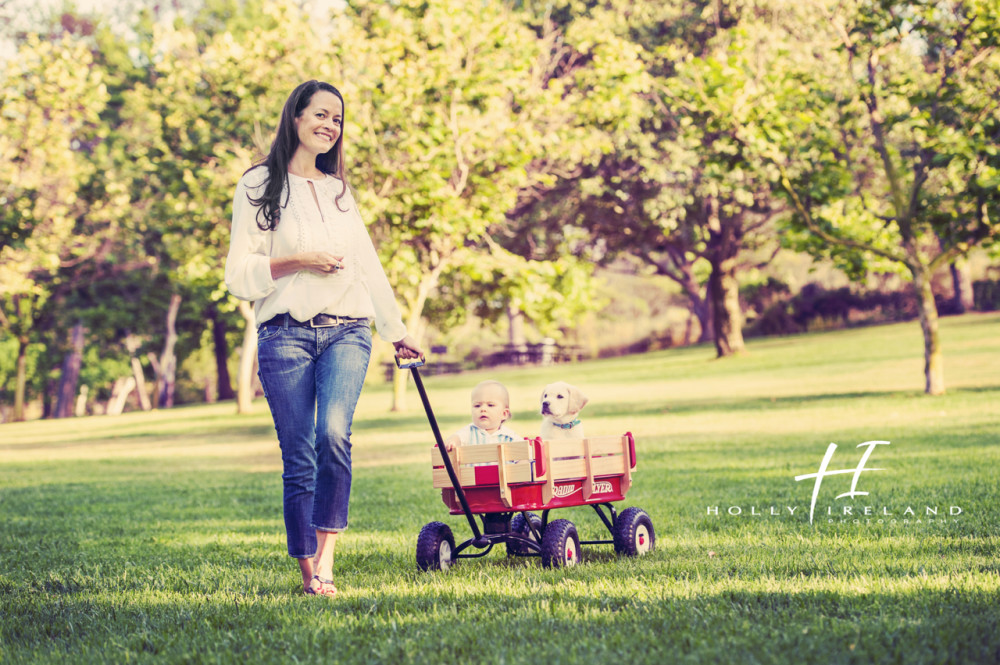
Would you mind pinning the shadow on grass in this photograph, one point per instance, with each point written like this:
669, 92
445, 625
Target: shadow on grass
548, 617
195, 566
206, 430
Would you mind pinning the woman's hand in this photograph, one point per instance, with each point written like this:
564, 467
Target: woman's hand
407, 349
321, 263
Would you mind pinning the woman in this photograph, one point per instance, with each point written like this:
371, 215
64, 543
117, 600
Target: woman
301, 252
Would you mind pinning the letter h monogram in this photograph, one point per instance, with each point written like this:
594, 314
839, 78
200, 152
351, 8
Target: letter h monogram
823, 472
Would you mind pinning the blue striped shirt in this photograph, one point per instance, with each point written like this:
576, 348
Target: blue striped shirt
471, 435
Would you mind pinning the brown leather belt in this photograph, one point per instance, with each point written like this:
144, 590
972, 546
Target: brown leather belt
318, 321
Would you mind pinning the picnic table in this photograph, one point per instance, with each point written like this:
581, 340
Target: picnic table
545, 353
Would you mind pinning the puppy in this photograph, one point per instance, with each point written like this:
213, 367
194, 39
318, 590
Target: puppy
561, 404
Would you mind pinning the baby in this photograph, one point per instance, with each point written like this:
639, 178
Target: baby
490, 409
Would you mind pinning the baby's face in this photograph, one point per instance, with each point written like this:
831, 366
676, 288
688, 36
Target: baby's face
489, 408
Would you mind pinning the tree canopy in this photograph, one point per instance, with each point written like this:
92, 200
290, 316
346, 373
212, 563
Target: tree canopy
499, 152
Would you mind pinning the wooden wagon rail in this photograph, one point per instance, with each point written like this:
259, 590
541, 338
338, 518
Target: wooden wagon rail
538, 462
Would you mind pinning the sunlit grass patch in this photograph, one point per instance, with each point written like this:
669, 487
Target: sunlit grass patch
159, 537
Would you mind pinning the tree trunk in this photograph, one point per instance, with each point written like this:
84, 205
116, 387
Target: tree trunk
681, 273
120, 391
168, 359
48, 400
81, 401
723, 287
154, 362
515, 326
70, 374
248, 352
961, 279
224, 386
702, 310
698, 305
140, 385
727, 323
22, 378
933, 357
132, 344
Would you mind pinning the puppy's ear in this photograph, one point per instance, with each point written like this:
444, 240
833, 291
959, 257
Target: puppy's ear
577, 400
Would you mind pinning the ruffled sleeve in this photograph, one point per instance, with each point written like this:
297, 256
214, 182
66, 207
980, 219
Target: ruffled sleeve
248, 265
388, 319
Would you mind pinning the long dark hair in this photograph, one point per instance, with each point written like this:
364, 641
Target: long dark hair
286, 140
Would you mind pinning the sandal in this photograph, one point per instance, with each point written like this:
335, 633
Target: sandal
326, 588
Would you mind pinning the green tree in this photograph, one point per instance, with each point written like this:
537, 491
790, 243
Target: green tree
887, 143
671, 86
50, 101
191, 131
447, 95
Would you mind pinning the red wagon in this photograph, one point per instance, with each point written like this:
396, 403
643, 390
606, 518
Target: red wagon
502, 483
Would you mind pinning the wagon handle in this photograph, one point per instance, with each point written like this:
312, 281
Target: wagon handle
412, 366
631, 449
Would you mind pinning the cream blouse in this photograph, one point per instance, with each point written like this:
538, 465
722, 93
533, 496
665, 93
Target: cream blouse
359, 290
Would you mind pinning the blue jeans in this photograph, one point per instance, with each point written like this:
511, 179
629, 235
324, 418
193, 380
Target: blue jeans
312, 379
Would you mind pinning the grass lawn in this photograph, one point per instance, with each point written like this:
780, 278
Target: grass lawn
158, 537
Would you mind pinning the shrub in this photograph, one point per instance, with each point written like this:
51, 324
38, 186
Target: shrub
986, 295
815, 308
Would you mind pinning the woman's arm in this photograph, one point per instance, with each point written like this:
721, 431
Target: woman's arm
388, 318
323, 263
248, 274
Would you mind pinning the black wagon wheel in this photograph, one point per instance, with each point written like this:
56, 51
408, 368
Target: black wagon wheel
434, 547
633, 532
519, 526
560, 545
